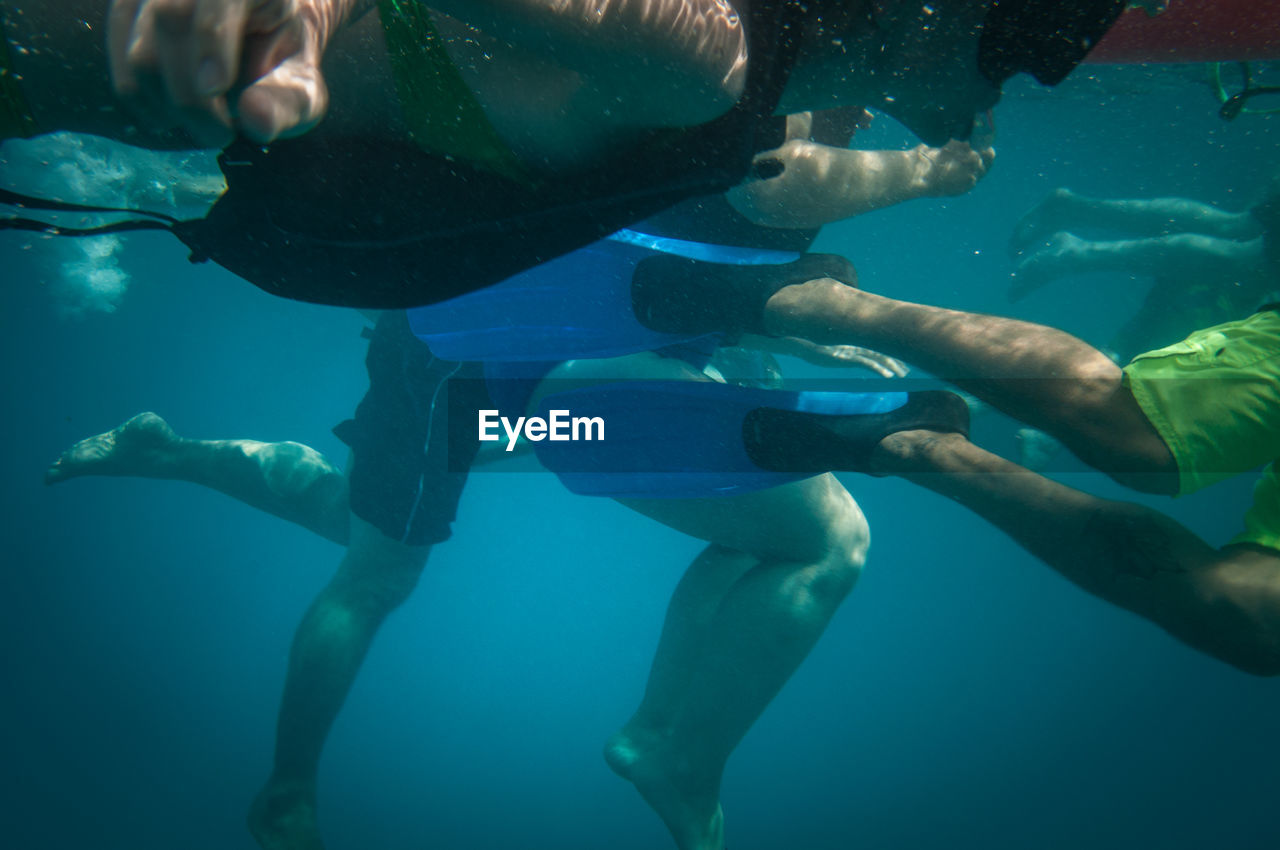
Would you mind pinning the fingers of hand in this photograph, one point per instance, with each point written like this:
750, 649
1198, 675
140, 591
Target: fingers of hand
120, 36
174, 61
198, 46
896, 366
882, 364
286, 102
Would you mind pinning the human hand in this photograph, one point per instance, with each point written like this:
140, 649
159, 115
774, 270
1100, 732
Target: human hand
842, 356
217, 67
952, 169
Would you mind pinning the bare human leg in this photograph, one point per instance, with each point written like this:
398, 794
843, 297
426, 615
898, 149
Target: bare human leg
375, 577
743, 618
294, 482
1063, 209
1223, 602
1041, 376
288, 480
1185, 256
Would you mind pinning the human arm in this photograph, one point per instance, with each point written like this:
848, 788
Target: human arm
820, 184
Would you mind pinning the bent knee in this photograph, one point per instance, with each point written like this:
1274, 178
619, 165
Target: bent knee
377, 573
377, 591
1091, 386
291, 468
842, 546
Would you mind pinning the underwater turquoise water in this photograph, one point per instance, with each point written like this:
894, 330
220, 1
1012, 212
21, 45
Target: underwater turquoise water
964, 696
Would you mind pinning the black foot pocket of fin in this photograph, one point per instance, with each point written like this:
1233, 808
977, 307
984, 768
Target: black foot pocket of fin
788, 441
677, 295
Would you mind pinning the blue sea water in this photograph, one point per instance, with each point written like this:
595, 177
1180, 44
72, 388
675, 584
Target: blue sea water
964, 696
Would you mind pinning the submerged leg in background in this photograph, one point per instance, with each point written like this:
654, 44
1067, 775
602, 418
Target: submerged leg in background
1185, 256
1063, 209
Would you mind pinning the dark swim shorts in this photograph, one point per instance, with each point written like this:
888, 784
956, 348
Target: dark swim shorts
410, 457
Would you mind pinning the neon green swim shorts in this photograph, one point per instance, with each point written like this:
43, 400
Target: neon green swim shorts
1214, 398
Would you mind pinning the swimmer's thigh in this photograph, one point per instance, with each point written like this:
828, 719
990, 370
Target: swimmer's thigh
801, 521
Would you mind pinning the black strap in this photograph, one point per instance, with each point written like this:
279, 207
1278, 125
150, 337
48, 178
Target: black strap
18, 199
48, 229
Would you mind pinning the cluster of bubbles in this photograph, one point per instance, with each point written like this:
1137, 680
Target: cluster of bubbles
85, 275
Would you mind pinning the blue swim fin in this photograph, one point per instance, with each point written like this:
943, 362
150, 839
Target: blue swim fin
575, 306
681, 439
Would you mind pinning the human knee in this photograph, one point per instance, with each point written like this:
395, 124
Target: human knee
294, 468
1090, 386
844, 543
378, 589
379, 574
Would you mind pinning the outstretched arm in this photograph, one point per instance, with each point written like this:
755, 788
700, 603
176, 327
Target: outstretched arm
820, 184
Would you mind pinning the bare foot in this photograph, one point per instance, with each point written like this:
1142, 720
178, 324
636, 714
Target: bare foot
283, 817
138, 447
1051, 261
1044, 218
688, 804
